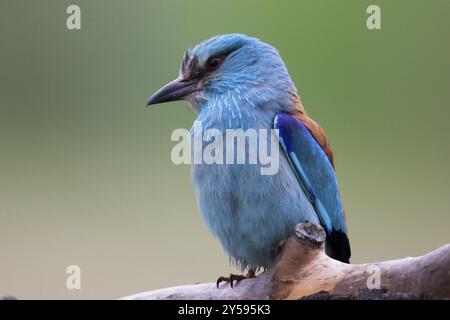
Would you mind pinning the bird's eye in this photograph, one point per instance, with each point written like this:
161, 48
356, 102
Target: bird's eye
214, 62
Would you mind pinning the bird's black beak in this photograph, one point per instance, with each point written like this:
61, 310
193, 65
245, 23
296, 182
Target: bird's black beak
174, 90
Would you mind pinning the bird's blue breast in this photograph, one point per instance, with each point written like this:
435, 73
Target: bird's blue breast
250, 213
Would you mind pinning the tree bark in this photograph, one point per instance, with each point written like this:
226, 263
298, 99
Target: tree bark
302, 269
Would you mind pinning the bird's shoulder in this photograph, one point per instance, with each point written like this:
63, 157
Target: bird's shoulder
298, 111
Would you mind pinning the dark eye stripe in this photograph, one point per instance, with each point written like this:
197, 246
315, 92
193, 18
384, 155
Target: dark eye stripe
191, 68
215, 62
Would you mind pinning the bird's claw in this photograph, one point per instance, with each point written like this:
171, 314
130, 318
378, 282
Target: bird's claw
220, 279
230, 279
234, 277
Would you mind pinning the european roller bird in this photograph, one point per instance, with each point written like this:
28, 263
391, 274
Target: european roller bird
238, 82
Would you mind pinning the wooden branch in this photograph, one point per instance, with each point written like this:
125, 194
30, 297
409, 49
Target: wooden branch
303, 270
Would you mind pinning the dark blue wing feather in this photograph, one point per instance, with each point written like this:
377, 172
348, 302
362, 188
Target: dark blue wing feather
317, 179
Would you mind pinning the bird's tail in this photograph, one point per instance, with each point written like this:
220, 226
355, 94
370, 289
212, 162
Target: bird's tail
338, 246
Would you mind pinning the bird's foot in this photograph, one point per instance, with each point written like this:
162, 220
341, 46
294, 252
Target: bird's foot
235, 277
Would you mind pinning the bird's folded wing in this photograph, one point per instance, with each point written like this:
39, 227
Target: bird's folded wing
316, 176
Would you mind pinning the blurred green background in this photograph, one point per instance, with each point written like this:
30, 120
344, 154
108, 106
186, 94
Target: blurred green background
86, 176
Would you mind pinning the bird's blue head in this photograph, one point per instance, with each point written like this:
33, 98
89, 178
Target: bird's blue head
226, 65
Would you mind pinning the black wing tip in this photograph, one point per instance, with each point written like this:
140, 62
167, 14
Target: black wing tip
340, 245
